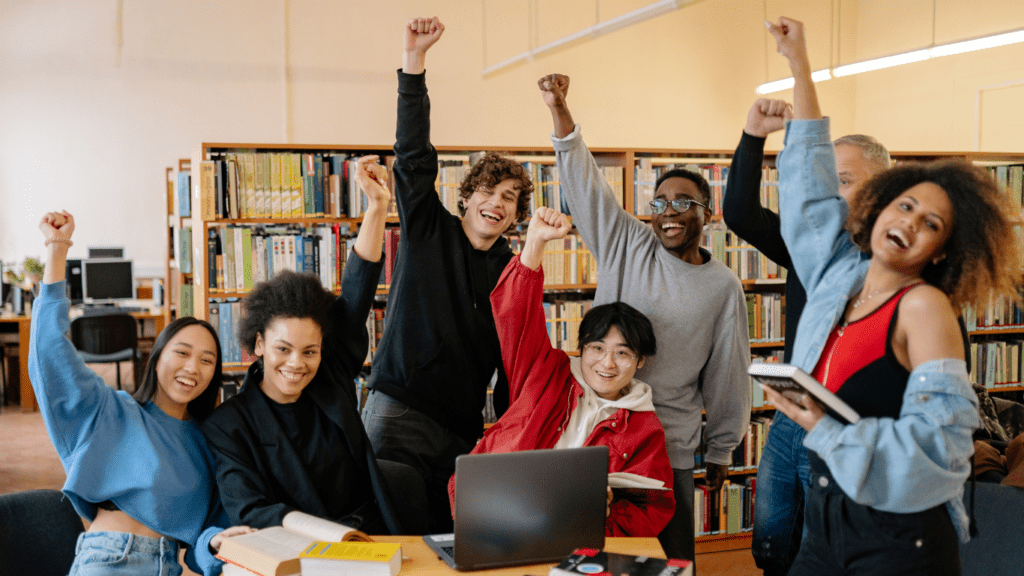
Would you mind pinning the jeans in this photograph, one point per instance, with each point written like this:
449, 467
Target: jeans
120, 553
783, 475
844, 537
402, 434
677, 537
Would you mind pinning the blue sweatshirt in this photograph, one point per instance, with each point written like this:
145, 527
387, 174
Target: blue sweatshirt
152, 466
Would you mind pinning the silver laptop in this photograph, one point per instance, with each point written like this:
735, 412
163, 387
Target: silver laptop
525, 507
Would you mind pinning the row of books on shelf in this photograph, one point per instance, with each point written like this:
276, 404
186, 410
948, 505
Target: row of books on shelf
646, 174
1011, 177
249, 184
566, 261
1000, 313
743, 259
562, 318
997, 363
239, 257
726, 511
747, 454
766, 316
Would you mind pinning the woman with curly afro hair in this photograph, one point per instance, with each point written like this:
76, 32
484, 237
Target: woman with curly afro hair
291, 440
880, 331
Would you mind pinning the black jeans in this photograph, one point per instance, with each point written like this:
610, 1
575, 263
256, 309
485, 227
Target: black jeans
844, 537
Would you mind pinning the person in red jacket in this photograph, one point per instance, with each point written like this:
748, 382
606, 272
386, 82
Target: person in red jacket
562, 402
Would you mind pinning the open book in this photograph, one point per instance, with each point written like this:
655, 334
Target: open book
794, 383
275, 551
637, 489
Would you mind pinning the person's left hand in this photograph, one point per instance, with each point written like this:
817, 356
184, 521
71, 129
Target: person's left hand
715, 476
373, 179
217, 540
806, 414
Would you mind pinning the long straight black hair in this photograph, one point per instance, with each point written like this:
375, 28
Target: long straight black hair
204, 404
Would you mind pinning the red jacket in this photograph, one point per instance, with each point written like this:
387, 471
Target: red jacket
543, 393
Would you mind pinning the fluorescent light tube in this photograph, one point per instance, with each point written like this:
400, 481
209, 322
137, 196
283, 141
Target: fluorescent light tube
880, 63
787, 83
978, 44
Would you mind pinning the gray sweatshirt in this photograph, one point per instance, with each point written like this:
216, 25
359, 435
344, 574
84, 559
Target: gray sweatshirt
698, 312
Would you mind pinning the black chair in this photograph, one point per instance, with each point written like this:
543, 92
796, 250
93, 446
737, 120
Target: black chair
998, 549
38, 533
408, 493
108, 338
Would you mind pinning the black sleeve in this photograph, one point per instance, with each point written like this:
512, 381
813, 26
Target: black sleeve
415, 169
349, 339
741, 206
244, 490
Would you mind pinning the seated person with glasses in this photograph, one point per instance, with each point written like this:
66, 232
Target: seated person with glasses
594, 400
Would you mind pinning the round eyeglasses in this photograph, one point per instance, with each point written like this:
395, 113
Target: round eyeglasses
594, 352
659, 205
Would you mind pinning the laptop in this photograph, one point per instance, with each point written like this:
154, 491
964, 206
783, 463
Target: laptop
527, 507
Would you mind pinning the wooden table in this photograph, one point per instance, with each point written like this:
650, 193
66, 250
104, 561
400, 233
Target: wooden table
422, 560
28, 397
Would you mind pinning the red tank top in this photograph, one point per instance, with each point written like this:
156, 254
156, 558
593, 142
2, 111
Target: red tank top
852, 347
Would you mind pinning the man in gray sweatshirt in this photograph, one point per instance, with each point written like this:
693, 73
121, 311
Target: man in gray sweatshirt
695, 303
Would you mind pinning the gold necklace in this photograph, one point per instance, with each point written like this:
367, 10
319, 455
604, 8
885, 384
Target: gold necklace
874, 293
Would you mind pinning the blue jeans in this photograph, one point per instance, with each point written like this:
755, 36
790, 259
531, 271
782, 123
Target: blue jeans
120, 553
783, 476
402, 434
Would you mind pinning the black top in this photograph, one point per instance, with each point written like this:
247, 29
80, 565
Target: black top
440, 348
759, 226
261, 473
341, 480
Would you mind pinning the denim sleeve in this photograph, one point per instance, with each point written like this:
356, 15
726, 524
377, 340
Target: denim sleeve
913, 463
813, 215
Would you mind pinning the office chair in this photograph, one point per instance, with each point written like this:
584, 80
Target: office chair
38, 533
110, 338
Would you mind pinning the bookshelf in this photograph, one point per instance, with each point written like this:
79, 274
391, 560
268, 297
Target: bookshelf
177, 269
570, 283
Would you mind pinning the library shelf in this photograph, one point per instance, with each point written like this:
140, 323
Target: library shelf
723, 542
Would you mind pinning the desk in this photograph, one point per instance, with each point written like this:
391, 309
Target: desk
28, 397
422, 560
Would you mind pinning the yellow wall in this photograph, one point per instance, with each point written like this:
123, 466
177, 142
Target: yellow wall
93, 104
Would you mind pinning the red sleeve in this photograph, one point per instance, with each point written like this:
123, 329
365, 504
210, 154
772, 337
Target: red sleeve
518, 307
649, 459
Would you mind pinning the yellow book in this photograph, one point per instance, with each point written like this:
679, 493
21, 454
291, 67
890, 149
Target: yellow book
352, 559
207, 190
275, 185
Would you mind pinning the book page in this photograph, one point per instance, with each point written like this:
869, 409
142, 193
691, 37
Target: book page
629, 480
264, 550
322, 530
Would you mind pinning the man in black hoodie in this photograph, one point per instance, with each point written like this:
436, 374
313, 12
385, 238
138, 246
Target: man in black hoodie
440, 350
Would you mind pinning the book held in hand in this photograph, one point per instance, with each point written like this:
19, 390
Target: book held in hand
794, 383
275, 551
351, 559
591, 561
639, 490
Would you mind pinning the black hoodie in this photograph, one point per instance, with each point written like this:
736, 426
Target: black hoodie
440, 348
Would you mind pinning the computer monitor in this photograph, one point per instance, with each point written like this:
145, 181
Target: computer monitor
106, 252
107, 280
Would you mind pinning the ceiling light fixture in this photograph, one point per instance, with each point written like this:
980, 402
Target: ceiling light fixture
992, 41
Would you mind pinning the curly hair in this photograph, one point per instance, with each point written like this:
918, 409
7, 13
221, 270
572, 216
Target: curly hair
203, 405
983, 254
490, 171
699, 181
286, 295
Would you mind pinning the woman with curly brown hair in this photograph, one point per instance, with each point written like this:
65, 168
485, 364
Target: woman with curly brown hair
291, 440
880, 331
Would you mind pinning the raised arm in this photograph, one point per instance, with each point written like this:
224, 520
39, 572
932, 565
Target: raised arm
71, 396
362, 273
813, 215
741, 205
415, 167
517, 304
605, 226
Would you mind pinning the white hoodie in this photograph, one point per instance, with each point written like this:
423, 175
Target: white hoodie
592, 409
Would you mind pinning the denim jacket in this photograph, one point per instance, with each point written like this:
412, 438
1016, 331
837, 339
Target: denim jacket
921, 459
